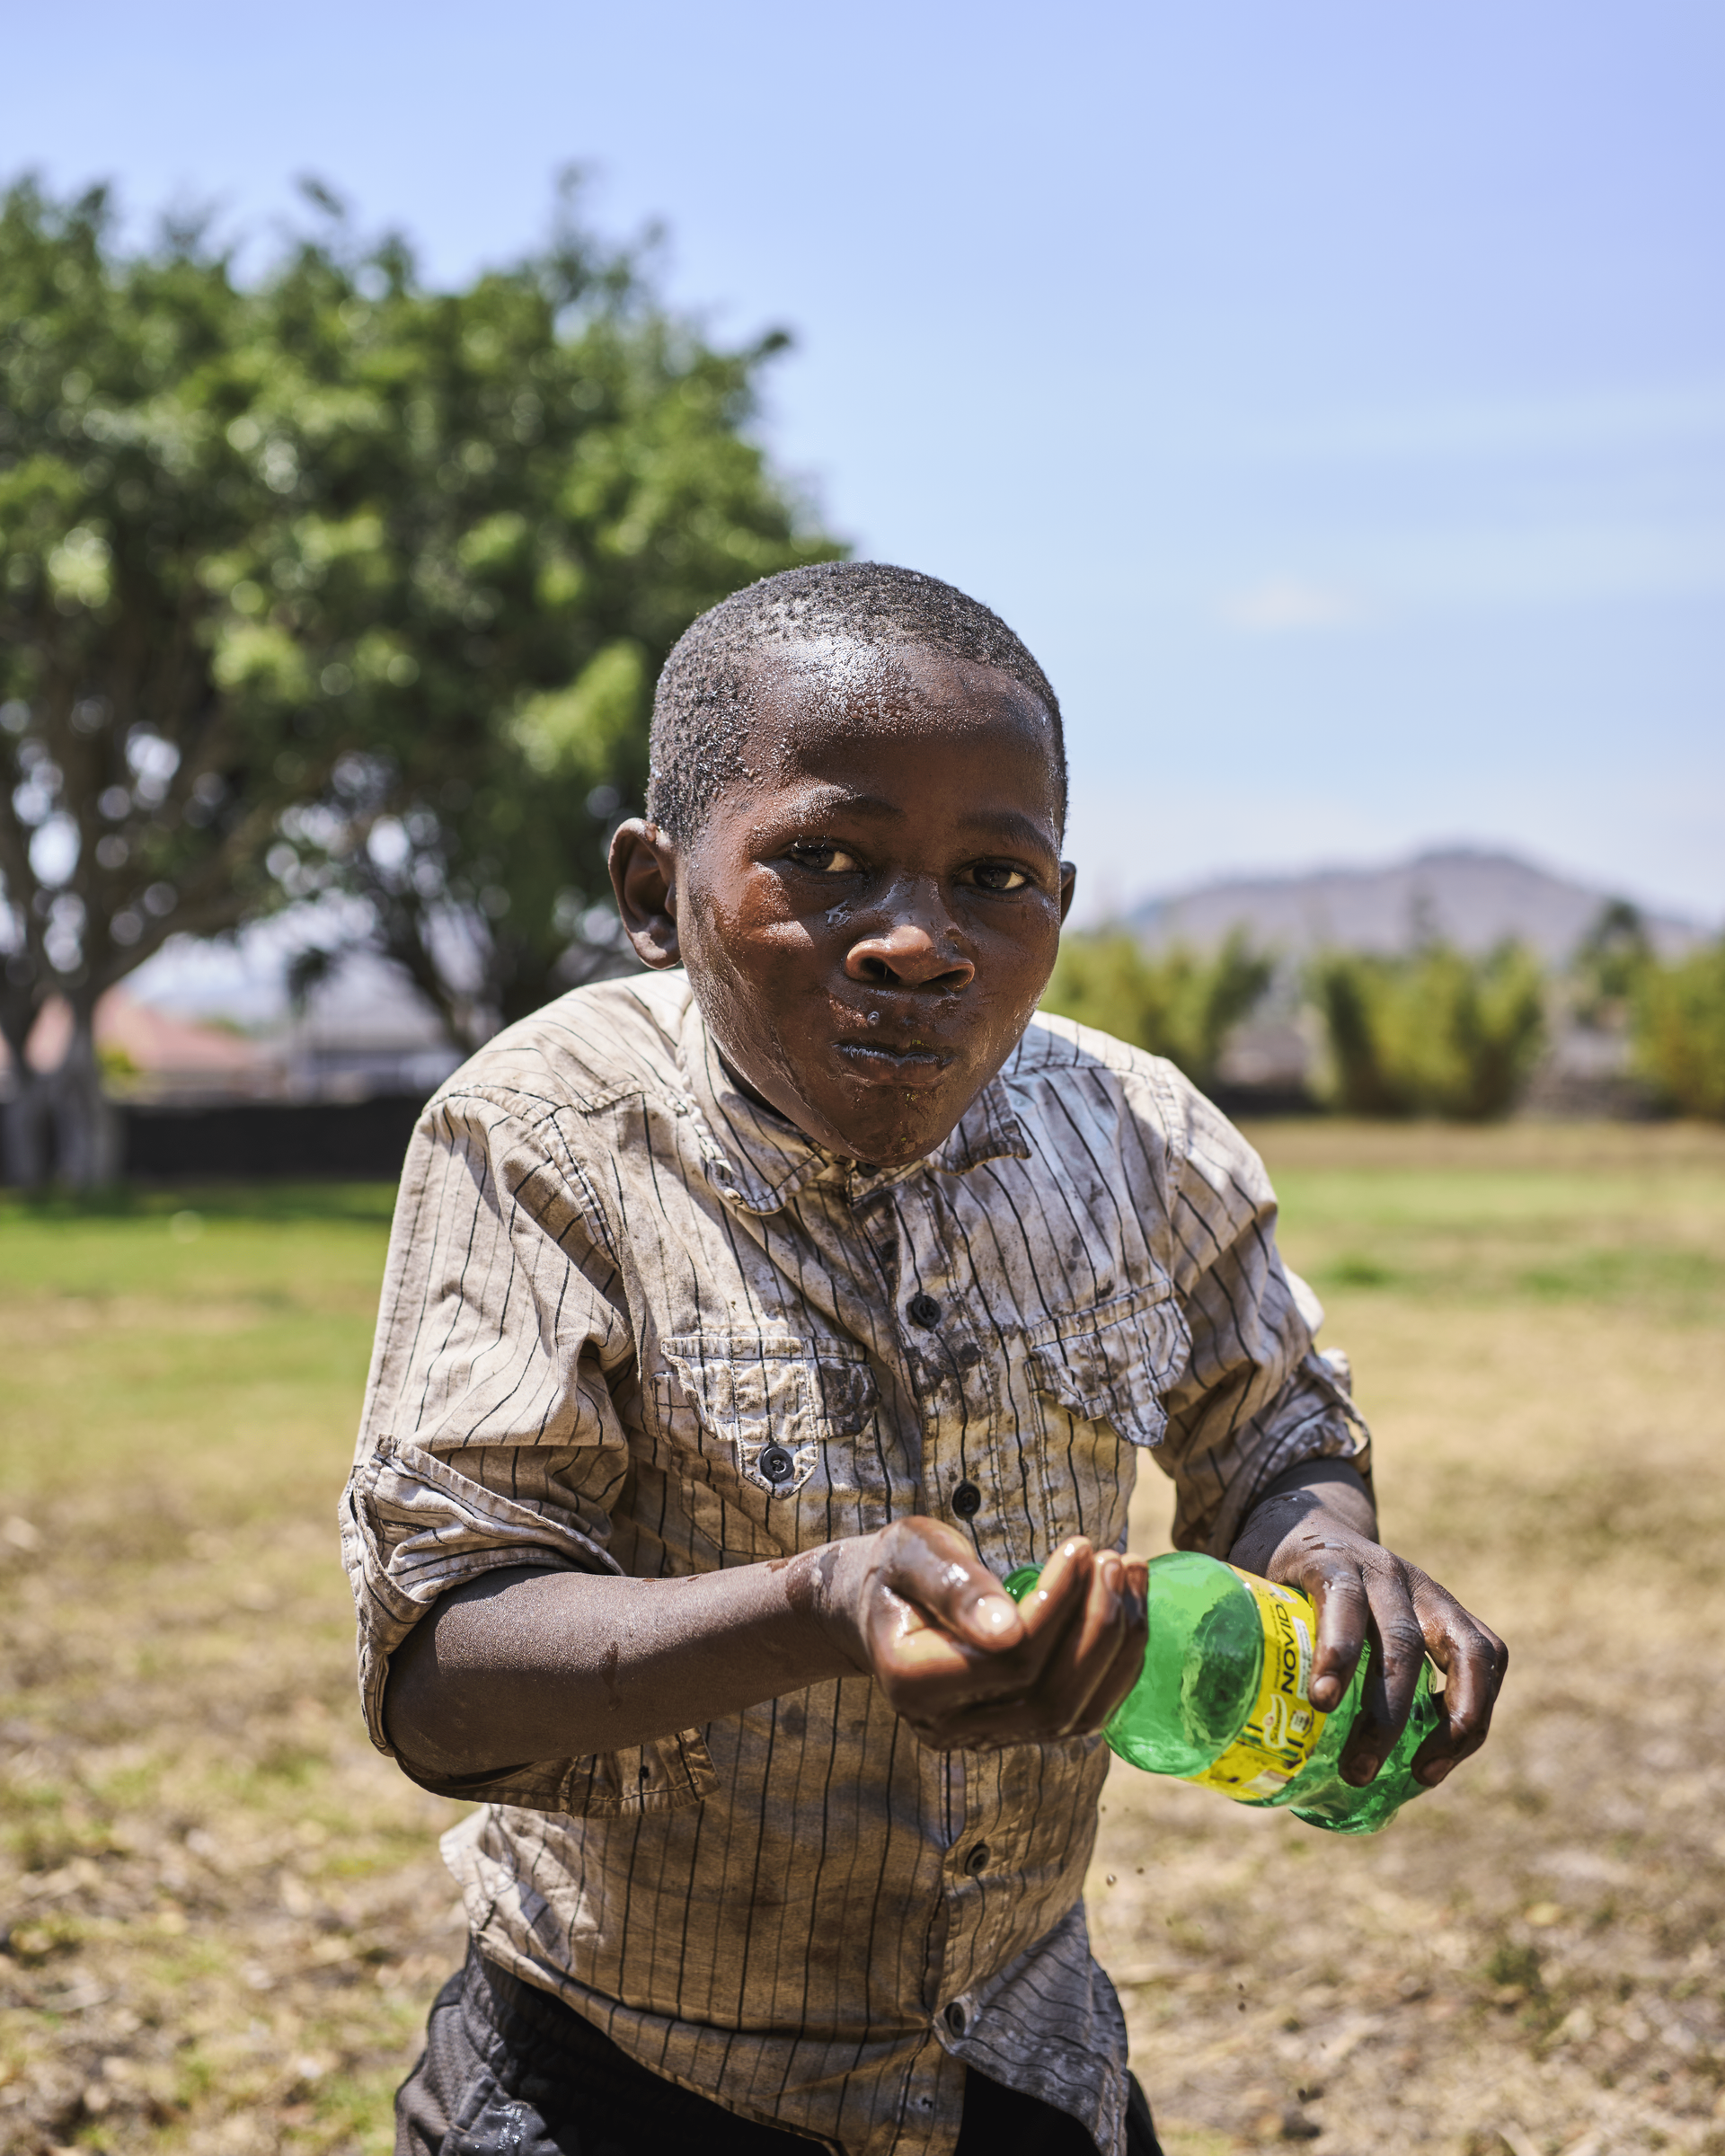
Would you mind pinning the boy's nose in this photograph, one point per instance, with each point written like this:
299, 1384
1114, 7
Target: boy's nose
907, 955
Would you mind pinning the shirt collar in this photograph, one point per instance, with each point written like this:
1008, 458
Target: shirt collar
759, 1162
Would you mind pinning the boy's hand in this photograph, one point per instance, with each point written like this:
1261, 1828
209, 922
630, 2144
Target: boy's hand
1315, 1528
966, 1666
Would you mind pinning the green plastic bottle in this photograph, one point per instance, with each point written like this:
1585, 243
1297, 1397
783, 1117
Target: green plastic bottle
1224, 1699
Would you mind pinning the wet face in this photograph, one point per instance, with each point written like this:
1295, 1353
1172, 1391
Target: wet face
869, 919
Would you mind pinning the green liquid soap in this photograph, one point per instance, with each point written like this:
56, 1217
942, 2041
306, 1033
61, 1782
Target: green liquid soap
1224, 1699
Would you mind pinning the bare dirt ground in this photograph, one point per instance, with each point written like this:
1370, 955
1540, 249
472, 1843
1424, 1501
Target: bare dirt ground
222, 1916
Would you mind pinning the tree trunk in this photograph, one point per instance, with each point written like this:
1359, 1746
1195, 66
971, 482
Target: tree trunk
86, 1125
25, 1121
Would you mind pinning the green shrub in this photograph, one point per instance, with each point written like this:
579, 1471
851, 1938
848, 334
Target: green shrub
1607, 969
1179, 1003
1436, 1033
1679, 1030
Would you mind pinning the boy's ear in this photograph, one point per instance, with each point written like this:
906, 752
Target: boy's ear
643, 875
1068, 884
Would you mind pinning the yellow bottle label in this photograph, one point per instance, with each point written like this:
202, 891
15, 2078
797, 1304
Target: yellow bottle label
1284, 1727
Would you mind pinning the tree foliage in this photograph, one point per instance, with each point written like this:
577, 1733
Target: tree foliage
142, 777
336, 583
1436, 1033
1679, 1024
514, 498
1607, 969
1179, 1003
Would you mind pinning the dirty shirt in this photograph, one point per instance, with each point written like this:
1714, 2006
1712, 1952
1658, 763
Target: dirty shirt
634, 1323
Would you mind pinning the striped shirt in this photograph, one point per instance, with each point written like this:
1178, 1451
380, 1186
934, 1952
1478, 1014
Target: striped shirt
634, 1323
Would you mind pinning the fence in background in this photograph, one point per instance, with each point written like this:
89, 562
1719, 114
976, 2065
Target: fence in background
255, 1140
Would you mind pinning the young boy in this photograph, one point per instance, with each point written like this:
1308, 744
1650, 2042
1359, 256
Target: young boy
744, 1324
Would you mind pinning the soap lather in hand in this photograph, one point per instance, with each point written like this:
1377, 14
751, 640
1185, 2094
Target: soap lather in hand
1224, 1699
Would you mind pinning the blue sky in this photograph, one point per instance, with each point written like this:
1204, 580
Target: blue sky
1333, 397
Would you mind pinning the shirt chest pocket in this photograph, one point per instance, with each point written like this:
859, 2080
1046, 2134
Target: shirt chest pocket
767, 1434
1113, 1363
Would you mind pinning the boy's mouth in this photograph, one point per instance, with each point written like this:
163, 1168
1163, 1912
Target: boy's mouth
879, 1062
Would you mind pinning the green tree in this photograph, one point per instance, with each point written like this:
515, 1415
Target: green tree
1608, 965
1179, 1003
1436, 1033
514, 498
142, 774
1678, 1021
338, 584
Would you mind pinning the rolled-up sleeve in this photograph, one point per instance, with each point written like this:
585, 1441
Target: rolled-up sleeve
1256, 1396
490, 1438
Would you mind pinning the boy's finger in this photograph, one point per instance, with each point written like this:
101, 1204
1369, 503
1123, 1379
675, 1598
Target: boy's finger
1096, 1665
933, 1641
1058, 1596
1046, 1703
1474, 1660
909, 1649
1398, 1656
1033, 1691
1123, 1674
1344, 1615
927, 1563
1054, 1611
1072, 1677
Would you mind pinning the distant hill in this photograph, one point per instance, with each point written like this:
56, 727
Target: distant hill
1471, 899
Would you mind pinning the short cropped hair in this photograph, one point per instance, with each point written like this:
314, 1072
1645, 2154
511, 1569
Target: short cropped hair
705, 701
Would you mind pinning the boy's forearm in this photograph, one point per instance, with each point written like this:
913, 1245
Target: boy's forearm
1298, 1498
529, 1666
540, 1664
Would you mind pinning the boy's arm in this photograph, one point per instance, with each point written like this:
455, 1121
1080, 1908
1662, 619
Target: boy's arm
530, 1665
1315, 1527
1272, 1464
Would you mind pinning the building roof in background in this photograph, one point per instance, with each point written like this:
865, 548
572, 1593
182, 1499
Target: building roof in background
362, 1029
156, 1043
357, 1037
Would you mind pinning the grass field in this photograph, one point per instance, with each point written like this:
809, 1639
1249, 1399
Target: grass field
222, 1916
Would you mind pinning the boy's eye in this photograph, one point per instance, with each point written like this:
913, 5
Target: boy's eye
823, 857
1001, 876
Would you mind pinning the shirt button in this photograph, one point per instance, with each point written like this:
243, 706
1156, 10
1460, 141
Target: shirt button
924, 1311
976, 1862
967, 1500
955, 2017
776, 1463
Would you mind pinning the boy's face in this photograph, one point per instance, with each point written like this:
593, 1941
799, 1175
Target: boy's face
869, 919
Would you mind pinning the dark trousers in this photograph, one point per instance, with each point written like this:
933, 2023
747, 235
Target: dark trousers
510, 2071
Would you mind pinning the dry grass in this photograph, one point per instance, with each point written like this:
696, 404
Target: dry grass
224, 1916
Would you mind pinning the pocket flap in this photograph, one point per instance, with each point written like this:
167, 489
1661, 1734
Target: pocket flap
1114, 1363
776, 1399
